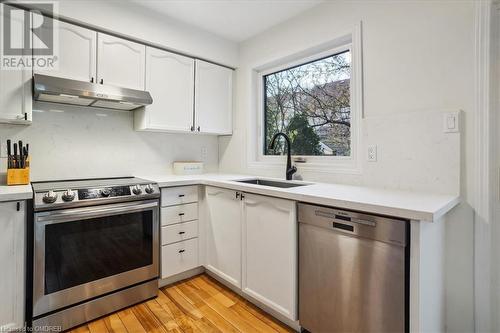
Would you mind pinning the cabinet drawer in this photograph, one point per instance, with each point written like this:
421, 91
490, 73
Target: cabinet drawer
179, 195
179, 257
179, 213
179, 232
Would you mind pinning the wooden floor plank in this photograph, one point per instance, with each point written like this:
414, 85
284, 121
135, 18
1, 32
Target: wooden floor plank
197, 305
114, 324
97, 326
130, 321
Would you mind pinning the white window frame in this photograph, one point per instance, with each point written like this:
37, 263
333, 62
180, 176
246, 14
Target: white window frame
335, 164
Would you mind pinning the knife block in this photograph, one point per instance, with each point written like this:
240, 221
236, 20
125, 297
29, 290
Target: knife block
18, 176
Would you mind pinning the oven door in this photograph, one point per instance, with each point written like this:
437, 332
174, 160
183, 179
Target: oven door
86, 252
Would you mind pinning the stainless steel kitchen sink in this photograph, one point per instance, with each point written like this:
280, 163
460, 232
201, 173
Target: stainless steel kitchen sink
271, 183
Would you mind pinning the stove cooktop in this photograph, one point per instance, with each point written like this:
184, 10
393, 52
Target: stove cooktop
68, 193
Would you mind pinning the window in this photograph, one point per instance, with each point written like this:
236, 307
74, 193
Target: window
311, 103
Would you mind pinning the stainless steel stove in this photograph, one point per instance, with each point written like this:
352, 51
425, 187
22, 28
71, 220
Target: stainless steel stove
95, 248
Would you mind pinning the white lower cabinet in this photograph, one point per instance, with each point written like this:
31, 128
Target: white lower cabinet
223, 234
179, 230
252, 244
269, 252
12, 261
179, 257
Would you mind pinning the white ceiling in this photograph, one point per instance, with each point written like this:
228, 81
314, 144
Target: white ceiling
235, 20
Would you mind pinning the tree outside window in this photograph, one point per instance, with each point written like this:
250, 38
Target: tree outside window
311, 104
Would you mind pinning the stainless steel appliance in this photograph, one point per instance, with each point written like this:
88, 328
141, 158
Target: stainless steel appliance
59, 90
95, 248
353, 271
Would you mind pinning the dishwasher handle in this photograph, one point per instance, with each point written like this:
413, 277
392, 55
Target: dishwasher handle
364, 225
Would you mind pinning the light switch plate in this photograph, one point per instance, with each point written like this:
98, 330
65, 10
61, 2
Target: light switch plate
451, 122
372, 153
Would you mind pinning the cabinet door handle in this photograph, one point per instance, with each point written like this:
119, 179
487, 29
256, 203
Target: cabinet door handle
102, 81
181, 195
242, 196
237, 195
26, 116
182, 232
198, 128
18, 206
192, 128
92, 79
180, 251
181, 214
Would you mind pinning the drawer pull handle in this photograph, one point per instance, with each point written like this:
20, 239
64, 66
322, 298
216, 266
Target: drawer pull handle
180, 251
181, 214
181, 195
182, 232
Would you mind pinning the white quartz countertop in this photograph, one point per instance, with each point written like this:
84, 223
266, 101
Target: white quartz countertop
404, 204
15, 192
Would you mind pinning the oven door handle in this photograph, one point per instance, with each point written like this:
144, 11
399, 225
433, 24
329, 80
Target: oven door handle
67, 215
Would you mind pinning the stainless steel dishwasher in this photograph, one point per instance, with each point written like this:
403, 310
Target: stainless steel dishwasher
353, 271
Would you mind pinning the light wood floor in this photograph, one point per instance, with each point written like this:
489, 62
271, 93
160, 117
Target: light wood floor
199, 304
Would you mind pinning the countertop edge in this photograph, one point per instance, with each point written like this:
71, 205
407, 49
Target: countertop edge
409, 214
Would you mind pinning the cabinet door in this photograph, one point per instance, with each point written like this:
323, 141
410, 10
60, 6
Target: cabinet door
270, 252
223, 234
170, 80
213, 98
15, 84
12, 228
120, 62
76, 52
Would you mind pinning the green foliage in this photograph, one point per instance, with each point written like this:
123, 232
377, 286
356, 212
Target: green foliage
304, 140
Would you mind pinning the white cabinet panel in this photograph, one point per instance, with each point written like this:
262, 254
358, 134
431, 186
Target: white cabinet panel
213, 98
270, 253
179, 213
12, 233
223, 234
179, 195
170, 80
15, 85
179, 257
120, 62
76, 51
179, 232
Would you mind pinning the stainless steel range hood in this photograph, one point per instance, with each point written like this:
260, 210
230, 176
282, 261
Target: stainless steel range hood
58, 90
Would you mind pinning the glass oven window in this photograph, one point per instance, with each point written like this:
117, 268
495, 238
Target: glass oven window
82, 251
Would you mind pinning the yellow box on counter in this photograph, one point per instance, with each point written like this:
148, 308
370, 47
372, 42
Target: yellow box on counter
18, 176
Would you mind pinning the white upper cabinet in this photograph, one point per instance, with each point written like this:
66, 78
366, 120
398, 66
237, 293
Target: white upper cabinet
223, 234
15, 85
213, 98
12, 261
270, 252
170, 80
120, 62
76, 52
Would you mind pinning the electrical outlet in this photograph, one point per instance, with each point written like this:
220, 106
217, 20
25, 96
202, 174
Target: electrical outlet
372, 153
204, 153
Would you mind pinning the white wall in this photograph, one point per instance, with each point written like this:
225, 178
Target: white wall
418, 61
72, 142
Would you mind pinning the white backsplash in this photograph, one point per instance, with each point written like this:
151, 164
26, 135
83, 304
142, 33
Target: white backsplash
69, 142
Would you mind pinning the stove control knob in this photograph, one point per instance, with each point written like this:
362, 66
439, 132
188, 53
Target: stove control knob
105, 192
50, 197
137, 189
150, 189
68, 195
